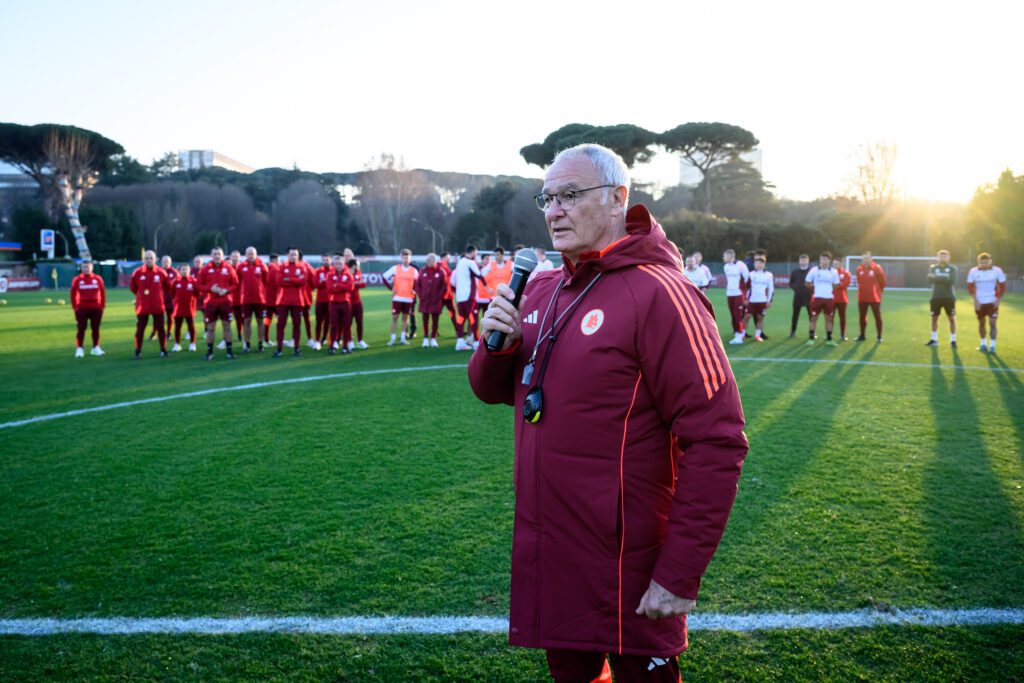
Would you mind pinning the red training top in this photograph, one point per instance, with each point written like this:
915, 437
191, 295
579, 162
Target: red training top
358, 283
88, 293
839, 291
443, 265
292, 280
430, 288
870, 283
149, 283
272, 290
185, 295
339, 285
252, 282
223, 276
323, 296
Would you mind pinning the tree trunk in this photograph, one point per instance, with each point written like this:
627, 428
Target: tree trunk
71, 201
707, 192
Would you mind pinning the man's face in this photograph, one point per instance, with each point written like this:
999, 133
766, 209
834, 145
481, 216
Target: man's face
985, 263
184, 270
87, 268
865, 260
348, 255
326, 260
250, 255
499, 257
165, 262
804, 261
944, 259
837, 264
217, 255
406, 259
197, 262
690, 264
541, 254
758, 265
149, 258
824, 262
236, 258
431, 261
588, 225
728, 258
293, 256
337, 262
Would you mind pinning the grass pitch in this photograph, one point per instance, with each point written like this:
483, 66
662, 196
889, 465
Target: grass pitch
866, 486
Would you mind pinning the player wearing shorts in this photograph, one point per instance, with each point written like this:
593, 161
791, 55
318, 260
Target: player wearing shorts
943, 276
870, 283
401, 280
149, 283
184, 307
484, 294
292, 280
88, 299
698, 260
253, 276
696, 275
218, 281
842, 297
467, 272
737, 276
323, 301
822, 279
987, 284
762, 291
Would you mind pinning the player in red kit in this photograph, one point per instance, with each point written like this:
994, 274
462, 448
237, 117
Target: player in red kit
448, 302
218, 280
149, 283
88, 299
842, 297
235, 259
323, 302
252, 289
292, 280
339, 288
168, 265
870, 283
307, 300
273, 263
184, 307
359, 283
431, 284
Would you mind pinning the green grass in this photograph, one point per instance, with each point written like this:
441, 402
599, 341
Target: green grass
391, 494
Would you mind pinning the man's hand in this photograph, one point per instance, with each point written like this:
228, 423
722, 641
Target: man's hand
658, 603
502, 316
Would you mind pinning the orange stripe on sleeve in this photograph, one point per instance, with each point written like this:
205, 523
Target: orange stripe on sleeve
698, 356
710, 344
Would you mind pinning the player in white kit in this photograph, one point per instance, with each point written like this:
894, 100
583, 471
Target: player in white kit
987, 284
736, 278
823, 279
762, 290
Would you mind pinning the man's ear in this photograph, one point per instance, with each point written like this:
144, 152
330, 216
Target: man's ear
619, 196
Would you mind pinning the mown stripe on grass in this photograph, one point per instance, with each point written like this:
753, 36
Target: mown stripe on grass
220, 390
446, 625
876, 363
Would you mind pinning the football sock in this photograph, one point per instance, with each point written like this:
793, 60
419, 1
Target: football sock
935, 336
952, 336
828, 336
209, 348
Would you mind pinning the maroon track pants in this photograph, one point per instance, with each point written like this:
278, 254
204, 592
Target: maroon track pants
324, 320
428, 318
574, 666
158, 324
357, 316
282, 321
88, 317
876, 310
190, 323
341, 322
737, 308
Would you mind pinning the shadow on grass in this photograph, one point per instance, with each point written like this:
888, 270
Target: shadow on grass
973, 527
1012, 391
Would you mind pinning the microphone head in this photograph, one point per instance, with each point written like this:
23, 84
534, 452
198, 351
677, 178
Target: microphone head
525, 261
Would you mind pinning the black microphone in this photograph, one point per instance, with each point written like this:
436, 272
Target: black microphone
522, 266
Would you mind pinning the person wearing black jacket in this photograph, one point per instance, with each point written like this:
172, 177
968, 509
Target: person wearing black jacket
801, 293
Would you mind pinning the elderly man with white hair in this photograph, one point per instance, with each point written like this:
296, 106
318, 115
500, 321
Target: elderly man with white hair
630, 438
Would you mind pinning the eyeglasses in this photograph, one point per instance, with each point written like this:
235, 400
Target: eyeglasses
566, 198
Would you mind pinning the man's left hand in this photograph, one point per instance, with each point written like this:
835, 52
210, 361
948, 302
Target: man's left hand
658, 603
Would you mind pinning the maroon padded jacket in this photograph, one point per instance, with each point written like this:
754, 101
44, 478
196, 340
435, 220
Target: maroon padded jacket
431, 284
631, 472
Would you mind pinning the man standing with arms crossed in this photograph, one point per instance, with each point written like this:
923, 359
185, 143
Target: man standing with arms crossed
88, 299
612, 531
943, 277
339, 289
359, 283
842, 293
870, 283
822, 280
292, 280
987, 284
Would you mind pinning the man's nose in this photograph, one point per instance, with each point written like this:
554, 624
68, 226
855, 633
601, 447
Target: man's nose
553, 211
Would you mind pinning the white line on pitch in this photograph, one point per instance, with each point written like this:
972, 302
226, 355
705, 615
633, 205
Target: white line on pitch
445, 625
877, 363
219, 390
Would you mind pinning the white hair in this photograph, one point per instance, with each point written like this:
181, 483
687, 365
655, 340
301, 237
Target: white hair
613, 169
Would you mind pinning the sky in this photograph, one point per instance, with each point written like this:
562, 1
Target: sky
462, 86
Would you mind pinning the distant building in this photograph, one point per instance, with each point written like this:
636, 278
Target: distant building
195, 159
688, 175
